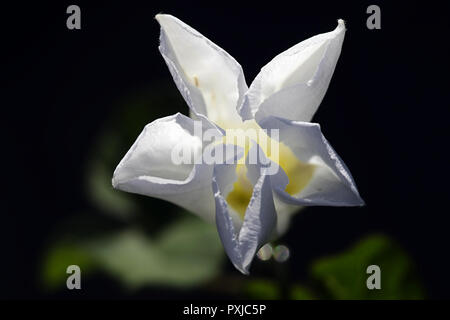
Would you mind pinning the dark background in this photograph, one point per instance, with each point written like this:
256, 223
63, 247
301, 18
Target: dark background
386, 113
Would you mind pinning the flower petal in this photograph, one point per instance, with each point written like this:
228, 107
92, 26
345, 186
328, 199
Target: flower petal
294, 83
242, 242
331, 184
149, 169
210, 80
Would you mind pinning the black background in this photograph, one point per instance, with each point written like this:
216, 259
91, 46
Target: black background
386, 113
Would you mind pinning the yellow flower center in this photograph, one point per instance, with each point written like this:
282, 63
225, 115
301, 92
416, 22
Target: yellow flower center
298, 172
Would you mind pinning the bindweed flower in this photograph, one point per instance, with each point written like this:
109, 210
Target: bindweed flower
251, 202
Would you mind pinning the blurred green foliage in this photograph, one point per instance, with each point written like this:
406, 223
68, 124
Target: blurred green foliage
270, 289
264, 289
186, 253
58, 258
299, 292
344, 275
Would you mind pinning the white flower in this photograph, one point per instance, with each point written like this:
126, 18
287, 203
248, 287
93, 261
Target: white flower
249, 205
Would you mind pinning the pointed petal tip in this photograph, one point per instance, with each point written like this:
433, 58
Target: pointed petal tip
242, 269
362, 203
358, 202
114, 181
341, 24
162, 17
158, 16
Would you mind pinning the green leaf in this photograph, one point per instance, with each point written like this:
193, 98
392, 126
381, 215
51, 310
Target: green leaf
266, 289
186, 253
263, 289
299, 292
344, 275
59, 257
